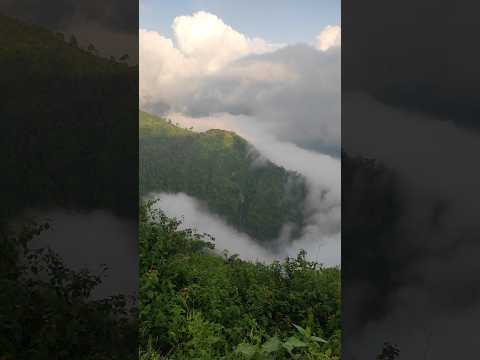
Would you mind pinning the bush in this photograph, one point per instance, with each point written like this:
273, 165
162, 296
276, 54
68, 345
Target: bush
195, 304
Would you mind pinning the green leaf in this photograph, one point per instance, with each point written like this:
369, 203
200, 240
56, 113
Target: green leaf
317, 339
246, 350
300, 329
293, 342
271, 345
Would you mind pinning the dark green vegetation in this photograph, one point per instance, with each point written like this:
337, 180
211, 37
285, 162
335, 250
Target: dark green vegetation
67, 129
66, 126
195, 304
46, 311
389, 352
222, 169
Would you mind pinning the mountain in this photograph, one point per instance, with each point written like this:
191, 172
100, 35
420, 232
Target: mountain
223, 170
67, 124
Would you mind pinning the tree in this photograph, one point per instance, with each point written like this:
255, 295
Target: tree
389, 352
47, 310
73, 41
92, 49
124, 57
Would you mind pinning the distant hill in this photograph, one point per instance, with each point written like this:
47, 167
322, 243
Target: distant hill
224, 170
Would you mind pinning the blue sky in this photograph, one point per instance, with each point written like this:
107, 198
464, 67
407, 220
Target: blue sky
280, 21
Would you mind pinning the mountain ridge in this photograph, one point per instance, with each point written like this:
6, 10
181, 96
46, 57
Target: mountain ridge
222, 169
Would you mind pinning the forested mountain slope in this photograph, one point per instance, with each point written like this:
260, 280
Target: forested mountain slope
224, 170
66, 126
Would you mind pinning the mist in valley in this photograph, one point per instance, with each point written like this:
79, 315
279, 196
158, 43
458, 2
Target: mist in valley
89, 240
195, 215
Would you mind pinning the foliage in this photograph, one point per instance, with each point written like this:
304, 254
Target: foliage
389, 352
67, 124
195, 304
221, 168
46, 309
303, 345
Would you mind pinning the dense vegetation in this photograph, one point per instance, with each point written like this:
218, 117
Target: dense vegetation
67, 119
46, 309
67, 124
195, 304
221, 168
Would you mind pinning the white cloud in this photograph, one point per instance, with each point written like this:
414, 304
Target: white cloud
214, 44
210, 67
203, 44
162, 68
329, 37
194, 215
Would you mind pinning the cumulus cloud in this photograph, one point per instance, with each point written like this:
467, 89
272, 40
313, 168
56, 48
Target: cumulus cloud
211, 68
330, 37
208, 39
202, 45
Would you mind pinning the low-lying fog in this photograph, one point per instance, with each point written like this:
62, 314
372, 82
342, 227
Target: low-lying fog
321, 237
86, 240
195, 215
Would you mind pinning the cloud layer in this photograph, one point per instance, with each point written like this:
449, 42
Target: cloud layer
322, 233
194, 215
211, 68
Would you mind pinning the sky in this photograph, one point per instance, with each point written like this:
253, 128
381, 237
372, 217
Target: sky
274, 80
208, 67
275, 20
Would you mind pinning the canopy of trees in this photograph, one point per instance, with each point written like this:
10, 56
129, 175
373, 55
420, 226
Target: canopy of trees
68, 124
222, 169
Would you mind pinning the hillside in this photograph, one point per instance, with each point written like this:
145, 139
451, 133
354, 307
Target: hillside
67, 123
198, 305
225, 171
